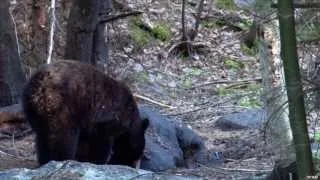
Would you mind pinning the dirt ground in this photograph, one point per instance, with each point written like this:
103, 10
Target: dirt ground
244, 151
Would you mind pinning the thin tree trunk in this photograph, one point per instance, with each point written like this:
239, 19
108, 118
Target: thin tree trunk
183, 13
39, 30
297, 113
84, 30
11, 75
278, 132
197, 23
100, 47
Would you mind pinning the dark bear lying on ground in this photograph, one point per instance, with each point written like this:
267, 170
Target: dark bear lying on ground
78, 113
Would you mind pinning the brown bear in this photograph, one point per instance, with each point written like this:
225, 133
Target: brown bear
78, 113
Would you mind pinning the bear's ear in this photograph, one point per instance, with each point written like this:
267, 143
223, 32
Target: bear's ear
145, 123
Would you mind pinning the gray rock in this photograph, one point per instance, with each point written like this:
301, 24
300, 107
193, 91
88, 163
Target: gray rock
244, 3
162, 147
169, 145
15, 108
138, 67
73, 170
252, 118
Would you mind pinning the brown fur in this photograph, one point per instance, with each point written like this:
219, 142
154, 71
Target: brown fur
76, 112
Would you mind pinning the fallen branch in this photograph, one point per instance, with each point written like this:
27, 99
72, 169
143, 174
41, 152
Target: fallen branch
110, 18
17, 135
311, 5
10, 155
244, 170
225, 82
235, 169
231, 20
154, 102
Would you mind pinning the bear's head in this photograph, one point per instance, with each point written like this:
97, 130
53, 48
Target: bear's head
128, 148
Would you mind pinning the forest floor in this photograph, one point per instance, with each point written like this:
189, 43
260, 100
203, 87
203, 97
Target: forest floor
219, 79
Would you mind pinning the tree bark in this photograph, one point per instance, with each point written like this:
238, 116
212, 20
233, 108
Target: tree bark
277, 128
296, 103
40, 31
11, 75
84, 31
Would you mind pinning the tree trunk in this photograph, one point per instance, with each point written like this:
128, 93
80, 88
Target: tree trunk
11, 75
39, 31
86, 40
278, 131
100, 48
297, 113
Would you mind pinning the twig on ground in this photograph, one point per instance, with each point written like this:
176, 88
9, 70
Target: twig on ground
7, 154
235, 169
23, 133
244, 160
190, 111
140, 175
17, 135
119, 16
51, 174
201, 108
244, 170
225, 82
154, 102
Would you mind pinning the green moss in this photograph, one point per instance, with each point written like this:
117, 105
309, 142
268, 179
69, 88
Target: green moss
250, 102
136, 20
189, 74
250, 94
222, 91
316, 161
187, 83
161, 31
192, 71
140, 37
249, 51
233, 64
245, 25
317, 136
209, 24
143, 77
226, 4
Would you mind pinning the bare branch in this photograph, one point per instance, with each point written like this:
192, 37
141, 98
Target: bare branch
119, 16
52, 25
152, 101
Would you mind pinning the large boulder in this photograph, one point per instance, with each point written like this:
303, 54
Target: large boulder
73, 170
169, 145
251, 118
